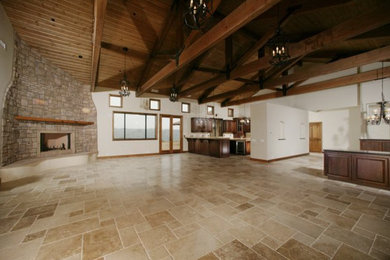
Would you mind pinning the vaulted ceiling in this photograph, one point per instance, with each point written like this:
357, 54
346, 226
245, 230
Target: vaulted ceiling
86, 38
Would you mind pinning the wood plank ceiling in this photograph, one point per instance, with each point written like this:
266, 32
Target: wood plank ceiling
321, 33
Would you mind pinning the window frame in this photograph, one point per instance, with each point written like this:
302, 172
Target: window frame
189, 107
231, 110
113, 95
124, 129
212, 113
159, 104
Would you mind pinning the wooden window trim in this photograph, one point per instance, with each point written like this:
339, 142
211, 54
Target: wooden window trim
159, 104
113, 95
208, 110
189, 107
232, 112
134, 139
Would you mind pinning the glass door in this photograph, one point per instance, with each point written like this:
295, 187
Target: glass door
171, 134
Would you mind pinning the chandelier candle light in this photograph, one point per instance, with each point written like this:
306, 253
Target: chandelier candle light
378, 111
197, 12
173, 94
124, 83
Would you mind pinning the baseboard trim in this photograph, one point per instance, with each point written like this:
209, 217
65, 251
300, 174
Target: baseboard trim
278, 159
135, 155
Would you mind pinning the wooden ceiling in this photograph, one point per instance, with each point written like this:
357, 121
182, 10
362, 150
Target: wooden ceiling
86, 39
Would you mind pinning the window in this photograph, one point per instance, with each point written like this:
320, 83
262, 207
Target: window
133, 126
185, 107
210, 110
115, 101
230, 112
154, 104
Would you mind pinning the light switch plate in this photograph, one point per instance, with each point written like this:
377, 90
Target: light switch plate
3, 45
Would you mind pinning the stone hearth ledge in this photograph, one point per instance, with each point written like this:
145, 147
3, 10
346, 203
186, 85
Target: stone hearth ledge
32, 167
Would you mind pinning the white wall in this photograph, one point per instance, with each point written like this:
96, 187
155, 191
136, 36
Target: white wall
108, 147
278, 132
340, 128
6, 59
343, 110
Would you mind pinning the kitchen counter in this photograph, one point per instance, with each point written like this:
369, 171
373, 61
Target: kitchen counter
212, 146
370, 168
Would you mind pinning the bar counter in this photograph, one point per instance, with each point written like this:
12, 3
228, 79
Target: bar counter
212, 146
370, 168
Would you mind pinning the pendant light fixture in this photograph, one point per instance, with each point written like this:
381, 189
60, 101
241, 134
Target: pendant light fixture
278, 46
173, 95
124, 83
378, 111
196, 13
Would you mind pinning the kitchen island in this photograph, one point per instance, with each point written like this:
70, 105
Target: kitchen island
370, 168
212, 146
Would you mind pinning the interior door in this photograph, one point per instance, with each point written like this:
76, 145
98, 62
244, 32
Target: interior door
171, 134
315, 141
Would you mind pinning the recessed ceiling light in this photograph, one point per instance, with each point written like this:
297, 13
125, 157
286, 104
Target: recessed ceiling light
52, 19
80, 56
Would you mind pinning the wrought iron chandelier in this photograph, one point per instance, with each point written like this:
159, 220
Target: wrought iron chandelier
173, 96
196, 13
124, 83
278, 45
279, 48
378, 111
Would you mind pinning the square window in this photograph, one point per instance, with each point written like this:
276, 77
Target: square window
210, 110
154, 104
185, 107
115, 101
230, 112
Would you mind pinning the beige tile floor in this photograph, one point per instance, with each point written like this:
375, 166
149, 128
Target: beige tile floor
188, 206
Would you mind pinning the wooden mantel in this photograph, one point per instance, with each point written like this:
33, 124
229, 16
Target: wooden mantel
52, 120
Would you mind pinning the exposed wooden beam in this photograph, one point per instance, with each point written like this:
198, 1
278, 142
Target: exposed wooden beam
99, 10
209, 70
323, 85
339, 65
348, 29
247, 88
159, 42
245, 13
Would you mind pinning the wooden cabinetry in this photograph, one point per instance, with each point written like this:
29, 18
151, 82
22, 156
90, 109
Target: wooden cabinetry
209, 146
199, 124
358, 167
375, 145
248, 147
230, 126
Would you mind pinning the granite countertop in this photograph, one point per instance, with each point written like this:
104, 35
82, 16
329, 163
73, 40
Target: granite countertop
358, 151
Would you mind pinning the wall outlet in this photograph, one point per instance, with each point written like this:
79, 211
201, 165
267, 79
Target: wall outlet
3, 45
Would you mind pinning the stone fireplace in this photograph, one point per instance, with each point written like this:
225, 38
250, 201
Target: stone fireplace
55, 143
40, 90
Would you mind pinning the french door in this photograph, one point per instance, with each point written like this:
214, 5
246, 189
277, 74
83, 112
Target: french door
171, 134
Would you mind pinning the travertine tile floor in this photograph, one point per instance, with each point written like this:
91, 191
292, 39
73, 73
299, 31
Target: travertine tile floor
188, 206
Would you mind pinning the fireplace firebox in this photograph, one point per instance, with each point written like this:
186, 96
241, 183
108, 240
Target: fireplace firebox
55, 142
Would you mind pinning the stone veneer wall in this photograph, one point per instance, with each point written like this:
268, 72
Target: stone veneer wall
40, 89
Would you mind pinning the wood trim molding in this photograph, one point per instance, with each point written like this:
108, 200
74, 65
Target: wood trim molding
54, 121
278, 159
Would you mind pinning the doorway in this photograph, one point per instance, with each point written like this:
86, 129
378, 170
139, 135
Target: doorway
171, 134
315, 140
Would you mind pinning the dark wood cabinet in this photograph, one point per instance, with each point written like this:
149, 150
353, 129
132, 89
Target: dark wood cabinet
248, 147
375, 145
230, 126
370, 170
216, 147
358, 167
247, 127
201, 125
